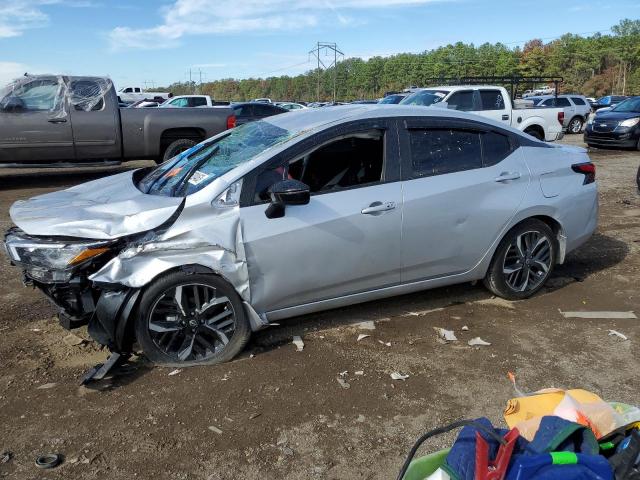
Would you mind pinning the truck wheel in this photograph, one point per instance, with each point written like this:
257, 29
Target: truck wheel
575, 125
176, 147
535, 133
191, 319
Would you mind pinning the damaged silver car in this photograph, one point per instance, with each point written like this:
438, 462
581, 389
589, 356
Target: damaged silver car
302, 212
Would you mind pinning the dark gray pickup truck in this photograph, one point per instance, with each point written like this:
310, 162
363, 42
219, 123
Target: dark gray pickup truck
49, 120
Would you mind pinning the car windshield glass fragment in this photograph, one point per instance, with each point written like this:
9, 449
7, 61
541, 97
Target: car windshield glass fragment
197, 167
632, 105
424, 98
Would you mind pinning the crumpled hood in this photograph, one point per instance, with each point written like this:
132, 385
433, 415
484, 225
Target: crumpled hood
102, 209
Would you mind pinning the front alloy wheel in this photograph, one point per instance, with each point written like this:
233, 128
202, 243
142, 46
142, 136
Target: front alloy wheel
575, 126
187, 319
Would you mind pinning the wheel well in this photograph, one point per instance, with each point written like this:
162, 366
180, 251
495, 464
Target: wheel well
172, 134
535, 128
577, 116
556, 228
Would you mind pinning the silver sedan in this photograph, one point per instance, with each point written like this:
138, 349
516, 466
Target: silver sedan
301, 212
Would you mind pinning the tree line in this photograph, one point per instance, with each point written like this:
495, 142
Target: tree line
592, 65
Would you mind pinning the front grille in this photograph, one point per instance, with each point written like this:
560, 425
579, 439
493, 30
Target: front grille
604, 125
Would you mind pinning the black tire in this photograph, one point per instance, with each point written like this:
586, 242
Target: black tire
176, 147
500, 283
157, 348
575, 125
535, 133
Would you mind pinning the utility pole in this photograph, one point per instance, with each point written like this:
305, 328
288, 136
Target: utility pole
327, 48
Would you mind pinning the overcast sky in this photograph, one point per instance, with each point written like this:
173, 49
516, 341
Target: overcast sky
159, 41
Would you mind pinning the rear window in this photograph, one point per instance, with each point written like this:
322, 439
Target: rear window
495, 148
440, 151
461, 101
491, 100
562, 102
578, 101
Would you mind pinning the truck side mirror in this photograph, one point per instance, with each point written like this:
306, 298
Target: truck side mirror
12, 104
286, 192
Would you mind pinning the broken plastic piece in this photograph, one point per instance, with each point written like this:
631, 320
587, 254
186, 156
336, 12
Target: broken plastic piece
174, 372
388, 344
215, 429
297, 341
615, 333
477, 341
465, 329
446, 335
359, 372
367, 325
600, 315
362, 336
343, 383
398, 376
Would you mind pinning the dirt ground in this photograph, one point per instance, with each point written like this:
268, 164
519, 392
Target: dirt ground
278, 413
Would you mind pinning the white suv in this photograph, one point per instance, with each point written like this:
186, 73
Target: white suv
576, 109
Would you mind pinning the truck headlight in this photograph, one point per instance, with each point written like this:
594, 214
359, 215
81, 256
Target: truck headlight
630, 122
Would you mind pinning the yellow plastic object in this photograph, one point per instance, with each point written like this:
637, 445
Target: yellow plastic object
422, 467
575, 405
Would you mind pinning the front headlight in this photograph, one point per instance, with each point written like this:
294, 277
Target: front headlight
630, 122
56, 256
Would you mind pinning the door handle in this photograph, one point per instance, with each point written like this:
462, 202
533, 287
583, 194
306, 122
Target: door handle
378, 207
506, 176
505, 117
57, 120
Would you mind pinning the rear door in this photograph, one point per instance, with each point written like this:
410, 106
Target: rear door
35, 126
493, 106
95, 119
462, 184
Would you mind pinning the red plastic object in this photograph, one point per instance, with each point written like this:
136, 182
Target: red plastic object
494, 469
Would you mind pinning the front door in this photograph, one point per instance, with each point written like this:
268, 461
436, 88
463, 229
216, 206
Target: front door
34, 123
346, 240
462, 187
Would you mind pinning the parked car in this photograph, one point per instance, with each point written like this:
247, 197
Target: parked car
183, 101
143, 104
495, 103
291, 105
393, 98
262, 100
298, 213
576, 109
133, 94
48, 119
608, 101
364, 102
251, 111
617, 127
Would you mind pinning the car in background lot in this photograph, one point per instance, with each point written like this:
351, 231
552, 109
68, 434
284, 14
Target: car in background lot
576, 109
298, 213
608, 101
134, 94
262, 100
291, 105
617, 127
47, 119
495, 103
183, 101
246, 112
393, 98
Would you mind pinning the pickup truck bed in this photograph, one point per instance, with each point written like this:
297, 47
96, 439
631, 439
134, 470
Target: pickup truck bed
45, 120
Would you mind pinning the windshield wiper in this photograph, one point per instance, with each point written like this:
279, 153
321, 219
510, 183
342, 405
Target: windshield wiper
183, 181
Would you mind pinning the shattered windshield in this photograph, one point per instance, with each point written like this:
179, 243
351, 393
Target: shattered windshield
197, 167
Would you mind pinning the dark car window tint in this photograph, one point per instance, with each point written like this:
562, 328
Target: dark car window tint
495, 148
199, 101
491, 100
242, 110
265, 110
438, 151
578, 101
562, 102
547, 103
461, 101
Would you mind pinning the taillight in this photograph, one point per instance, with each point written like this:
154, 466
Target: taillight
231, 122
561, 118
588, 169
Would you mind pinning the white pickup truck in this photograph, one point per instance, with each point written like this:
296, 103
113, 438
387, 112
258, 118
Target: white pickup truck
133, 94
495, 103
183, 101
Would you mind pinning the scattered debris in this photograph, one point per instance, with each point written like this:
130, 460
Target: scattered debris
5, 457
49, 460
398, 376
174, 372
465, 329
215, 429
420, 313
477, 342
601, 315
388, 344
343, 383
73, 340
297, 341
360, 419
366, 325
47, 386
359, 372
36, 330
496, 302
446, 335
254, 415
362, 336
342, 374
615, 333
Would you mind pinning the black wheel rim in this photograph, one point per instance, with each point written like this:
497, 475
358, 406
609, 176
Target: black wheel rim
527, 262
190, 322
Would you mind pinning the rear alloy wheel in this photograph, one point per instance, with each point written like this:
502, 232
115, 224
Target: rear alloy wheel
190, 319
575, 125
523, 261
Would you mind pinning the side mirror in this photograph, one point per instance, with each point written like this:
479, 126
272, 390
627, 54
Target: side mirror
286, 192
12, 104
